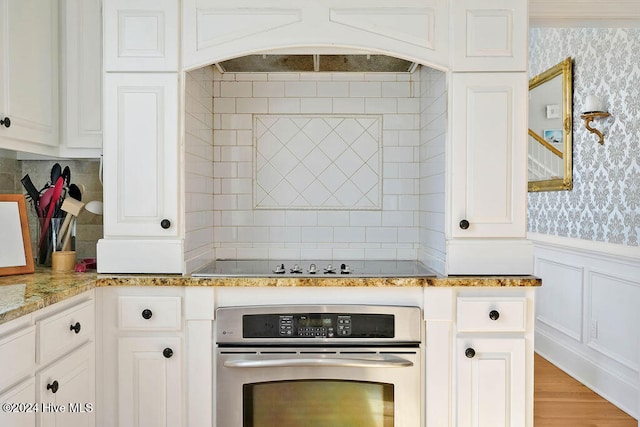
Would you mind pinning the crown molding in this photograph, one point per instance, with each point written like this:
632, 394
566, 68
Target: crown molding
584, 13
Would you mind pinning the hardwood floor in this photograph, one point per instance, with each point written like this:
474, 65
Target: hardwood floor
559, 400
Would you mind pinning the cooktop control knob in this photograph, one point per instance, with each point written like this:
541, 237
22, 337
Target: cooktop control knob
345, 269
313, 269
329, 269
296, 269
279, 269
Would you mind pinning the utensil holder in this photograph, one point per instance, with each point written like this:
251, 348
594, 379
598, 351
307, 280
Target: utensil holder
63, 261
49, 241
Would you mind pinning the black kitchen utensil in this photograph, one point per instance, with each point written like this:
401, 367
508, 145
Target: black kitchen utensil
66, 175
56, 172
31, 189
75, 193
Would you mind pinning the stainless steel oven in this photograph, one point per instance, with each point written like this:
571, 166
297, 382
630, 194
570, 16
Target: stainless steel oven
319, 366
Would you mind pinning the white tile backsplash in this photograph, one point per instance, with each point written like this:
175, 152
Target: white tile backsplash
376, 167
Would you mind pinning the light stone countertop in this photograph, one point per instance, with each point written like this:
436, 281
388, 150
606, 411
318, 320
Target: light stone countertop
24, 294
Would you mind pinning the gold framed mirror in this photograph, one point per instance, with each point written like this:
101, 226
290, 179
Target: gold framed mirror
550, 141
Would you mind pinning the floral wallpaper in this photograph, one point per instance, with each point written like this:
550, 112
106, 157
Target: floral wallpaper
604, 204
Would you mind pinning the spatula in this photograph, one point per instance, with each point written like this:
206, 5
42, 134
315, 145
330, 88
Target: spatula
57, 190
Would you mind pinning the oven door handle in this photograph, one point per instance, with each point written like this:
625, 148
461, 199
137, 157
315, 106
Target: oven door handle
385, 362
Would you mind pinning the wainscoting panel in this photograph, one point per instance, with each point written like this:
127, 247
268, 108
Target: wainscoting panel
588, 314
615, 317
562, 288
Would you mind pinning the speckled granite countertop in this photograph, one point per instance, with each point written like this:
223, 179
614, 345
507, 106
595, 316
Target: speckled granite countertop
24, 294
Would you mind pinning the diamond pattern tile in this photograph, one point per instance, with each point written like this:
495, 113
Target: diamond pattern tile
317, 162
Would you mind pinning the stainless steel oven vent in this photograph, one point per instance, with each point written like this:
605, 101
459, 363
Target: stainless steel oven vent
314, 62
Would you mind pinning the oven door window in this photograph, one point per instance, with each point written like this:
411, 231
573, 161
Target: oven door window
318, 403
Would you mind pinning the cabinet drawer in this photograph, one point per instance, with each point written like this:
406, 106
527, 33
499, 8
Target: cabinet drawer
17, 355
24, 395
150, 313
65, 331
492, 314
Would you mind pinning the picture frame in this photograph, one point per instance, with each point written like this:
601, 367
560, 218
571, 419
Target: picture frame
553, 136
16, 256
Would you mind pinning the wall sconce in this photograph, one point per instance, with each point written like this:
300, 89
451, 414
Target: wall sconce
594, 109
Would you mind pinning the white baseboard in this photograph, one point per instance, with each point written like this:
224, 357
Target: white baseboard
587, 321
613, 388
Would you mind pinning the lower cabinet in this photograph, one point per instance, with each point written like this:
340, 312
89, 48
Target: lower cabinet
23, 393
149, 381
66, 390
490, 381
47, 366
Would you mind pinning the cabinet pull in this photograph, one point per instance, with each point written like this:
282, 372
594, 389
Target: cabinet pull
53, 387
75, 328
146, 314
6, 122
494, 314
167, 352
470, 353
165, 223
464, 224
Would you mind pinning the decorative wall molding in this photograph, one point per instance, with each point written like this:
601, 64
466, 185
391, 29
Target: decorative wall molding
584, 13
587, 321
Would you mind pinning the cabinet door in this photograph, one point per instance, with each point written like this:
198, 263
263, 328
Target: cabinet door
491, 386
490, 35
20, 416
141, 155
141, 35
488, 154
29, 75
66, 390
149, 381
81, 78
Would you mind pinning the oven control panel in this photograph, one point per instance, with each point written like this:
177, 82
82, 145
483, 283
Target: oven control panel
318, 325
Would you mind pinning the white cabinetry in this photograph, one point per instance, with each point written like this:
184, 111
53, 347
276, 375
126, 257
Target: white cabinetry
487, 221
143, 359
150, 381
66, 390
142, 226
489, 35
141, 222
81, 78
24, 393
142, 35
490, 382
494, 360
29, 75
48, 360
50, 77
155, 366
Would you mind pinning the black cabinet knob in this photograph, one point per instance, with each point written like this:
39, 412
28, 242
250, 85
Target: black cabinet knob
470, 353
165, 223
167, 352
464, 224
6, 122
146, 314
75, 328
494, 314
53, 387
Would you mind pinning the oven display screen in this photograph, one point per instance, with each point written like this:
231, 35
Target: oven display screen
310, 322
318, 325
318, 403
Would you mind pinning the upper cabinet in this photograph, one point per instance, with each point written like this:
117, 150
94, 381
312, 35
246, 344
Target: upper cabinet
489, 35
143, 35
51, 77
29, 75
219, 29
80, 78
